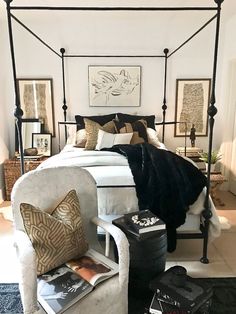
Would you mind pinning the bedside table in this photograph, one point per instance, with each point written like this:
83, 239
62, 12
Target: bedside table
216, 179
12, 172
192, 153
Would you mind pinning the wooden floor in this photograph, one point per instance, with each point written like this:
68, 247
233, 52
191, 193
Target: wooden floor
222, 253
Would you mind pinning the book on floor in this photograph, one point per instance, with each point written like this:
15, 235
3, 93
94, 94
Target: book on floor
158, 306
144, 221
60, 288
188, 296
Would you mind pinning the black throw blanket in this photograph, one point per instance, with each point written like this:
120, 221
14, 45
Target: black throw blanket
165, 183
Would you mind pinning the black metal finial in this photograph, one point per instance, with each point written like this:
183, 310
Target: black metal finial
219, 1
8, 1
62, 50
166, 50
18, 112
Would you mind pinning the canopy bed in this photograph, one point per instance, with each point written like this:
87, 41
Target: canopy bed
206, 213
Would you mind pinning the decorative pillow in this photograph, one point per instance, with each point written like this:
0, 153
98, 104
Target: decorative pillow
102, 119
80, 138
71, 134
129, 118
108, 139
56, 237
138, 128
153, 138
92, 129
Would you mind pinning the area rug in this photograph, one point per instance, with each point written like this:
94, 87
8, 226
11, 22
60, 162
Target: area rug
223, 300
10, 301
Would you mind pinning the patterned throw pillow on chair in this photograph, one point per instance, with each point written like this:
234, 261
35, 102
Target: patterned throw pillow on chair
56, 237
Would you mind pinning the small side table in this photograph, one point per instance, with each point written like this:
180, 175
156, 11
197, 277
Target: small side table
12, 172
147, 256
216, 179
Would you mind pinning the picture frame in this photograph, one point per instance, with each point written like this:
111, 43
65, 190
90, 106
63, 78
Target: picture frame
43, 143
114, 85
36, 101
192, 102
29, 126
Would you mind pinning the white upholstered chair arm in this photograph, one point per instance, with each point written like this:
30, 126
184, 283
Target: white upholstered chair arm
122, 247
28, 277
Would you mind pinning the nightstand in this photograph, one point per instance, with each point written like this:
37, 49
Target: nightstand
216, 179
192, 153
12, 172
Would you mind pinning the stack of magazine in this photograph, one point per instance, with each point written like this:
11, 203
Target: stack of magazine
140, 224
62, 287
186, 297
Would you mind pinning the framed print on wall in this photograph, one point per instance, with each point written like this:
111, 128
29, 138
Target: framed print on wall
114, 86
192, 102
36, 100
43, 143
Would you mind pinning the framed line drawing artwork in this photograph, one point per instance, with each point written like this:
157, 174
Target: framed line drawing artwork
43, 143
36, 100
192, 102
114, 86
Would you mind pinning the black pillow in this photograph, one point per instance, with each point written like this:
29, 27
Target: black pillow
102, 119
129, 118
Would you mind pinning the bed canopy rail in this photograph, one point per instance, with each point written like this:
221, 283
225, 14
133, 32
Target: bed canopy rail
212, 108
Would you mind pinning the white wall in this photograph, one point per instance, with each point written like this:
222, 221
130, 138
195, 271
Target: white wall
117, 33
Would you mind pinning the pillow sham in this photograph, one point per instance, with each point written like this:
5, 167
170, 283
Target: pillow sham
102, 119
71, 134
153, 138
56, 237
129, 118
138, 128
80, 138
106, 140
92, 129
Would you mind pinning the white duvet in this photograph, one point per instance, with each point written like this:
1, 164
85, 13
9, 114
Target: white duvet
116, 191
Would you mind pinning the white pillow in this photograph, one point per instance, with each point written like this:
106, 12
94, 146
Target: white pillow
71, 134
107, 140
153, 138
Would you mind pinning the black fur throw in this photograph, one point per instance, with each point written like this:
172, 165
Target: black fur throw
165, 183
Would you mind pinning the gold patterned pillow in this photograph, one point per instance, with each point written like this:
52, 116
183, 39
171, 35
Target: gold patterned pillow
92, 129
56, 237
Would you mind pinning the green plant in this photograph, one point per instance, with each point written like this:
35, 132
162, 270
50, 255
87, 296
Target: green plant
215, 156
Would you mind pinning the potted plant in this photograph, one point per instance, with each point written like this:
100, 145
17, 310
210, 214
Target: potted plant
215, 157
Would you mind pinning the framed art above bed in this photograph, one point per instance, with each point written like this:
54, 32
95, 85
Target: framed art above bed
114, 86
192, 102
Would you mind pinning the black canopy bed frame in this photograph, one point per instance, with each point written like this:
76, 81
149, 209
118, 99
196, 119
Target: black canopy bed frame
212, 110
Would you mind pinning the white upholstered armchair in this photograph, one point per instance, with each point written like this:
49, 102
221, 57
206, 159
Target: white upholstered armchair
45, 189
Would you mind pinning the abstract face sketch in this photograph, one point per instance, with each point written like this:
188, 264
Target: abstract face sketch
114, 86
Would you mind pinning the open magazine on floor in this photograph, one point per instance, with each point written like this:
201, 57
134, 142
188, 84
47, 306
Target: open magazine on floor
60, 288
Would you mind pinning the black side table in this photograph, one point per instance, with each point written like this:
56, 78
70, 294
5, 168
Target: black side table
147, 256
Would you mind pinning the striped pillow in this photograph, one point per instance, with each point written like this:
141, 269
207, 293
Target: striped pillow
58, 237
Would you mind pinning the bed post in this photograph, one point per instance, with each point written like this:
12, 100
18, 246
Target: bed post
164, 106
18, 112
212, 111
64, 107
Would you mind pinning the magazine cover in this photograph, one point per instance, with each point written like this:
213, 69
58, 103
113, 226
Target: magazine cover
93, 267
61, 288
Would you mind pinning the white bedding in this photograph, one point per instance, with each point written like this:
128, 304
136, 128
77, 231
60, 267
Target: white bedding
109, 169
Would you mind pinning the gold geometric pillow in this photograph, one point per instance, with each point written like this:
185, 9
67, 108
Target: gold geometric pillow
138, 128
92, 129
56, 237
